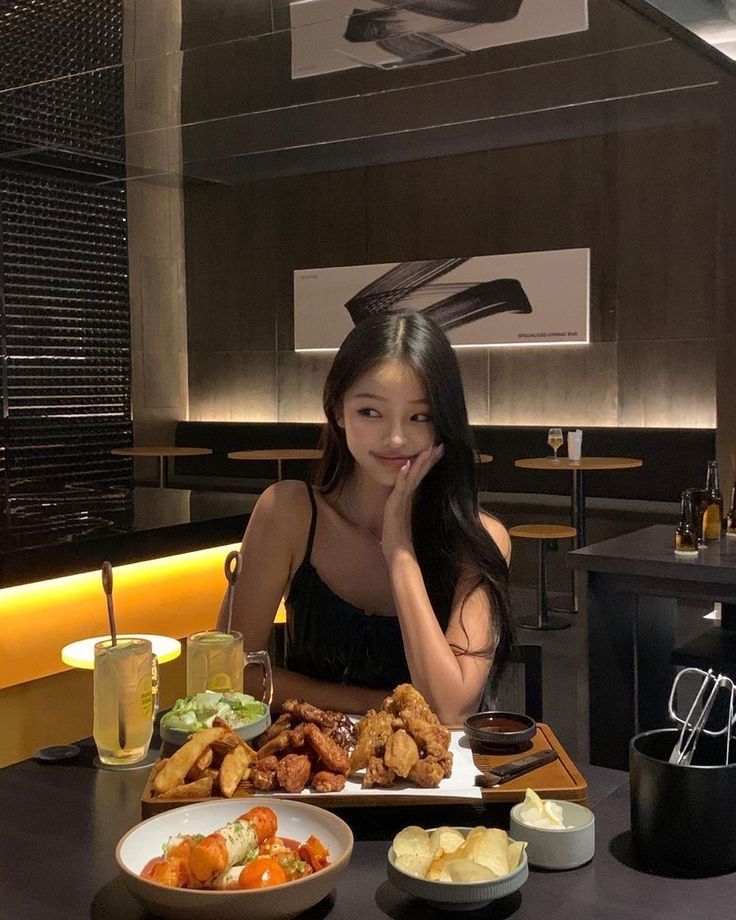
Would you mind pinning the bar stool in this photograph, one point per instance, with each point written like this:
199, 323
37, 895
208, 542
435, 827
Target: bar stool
544, 534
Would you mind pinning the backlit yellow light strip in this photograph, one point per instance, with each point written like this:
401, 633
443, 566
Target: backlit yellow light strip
170, 596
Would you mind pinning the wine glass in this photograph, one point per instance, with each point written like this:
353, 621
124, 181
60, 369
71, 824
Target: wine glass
554, 439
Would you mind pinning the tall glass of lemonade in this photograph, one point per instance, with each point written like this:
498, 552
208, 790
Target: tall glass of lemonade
214, 662
125, 687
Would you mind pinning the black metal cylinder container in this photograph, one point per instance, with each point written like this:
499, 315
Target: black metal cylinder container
683, 818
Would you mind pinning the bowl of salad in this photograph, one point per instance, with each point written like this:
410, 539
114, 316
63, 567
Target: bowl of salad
246, 715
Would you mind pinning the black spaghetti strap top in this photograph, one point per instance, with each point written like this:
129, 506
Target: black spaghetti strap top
329, 639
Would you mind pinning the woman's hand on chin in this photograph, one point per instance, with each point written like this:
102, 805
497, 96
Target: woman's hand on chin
396, 534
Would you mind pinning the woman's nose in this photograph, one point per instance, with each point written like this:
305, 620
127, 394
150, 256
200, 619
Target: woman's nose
396, 436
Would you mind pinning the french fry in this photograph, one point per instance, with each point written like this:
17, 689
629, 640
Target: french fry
226, 745
201, 789
200, 766
232, 769
159, 765
181, 762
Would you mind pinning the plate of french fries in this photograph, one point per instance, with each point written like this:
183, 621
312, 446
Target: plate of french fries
214, 761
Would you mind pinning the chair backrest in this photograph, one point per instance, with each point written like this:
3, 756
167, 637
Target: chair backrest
515, 695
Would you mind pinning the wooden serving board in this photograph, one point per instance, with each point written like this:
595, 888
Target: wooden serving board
557, 780
560, 779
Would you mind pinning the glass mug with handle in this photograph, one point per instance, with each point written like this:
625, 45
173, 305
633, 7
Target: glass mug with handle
125, 699
555, 440
216, 661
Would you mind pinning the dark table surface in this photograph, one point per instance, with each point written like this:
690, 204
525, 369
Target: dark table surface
59, 826
649, 552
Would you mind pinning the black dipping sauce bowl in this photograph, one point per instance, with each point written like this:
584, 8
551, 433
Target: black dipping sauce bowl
500, 729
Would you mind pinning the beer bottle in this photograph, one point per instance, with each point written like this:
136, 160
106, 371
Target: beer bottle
731, 517
686, 535
713, 517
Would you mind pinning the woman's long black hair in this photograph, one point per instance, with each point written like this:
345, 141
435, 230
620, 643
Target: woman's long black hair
449, 538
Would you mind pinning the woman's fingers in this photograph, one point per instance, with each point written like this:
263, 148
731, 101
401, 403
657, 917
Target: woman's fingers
423, 464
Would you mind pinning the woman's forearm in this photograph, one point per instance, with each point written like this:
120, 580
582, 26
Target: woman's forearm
435, 669
324, 694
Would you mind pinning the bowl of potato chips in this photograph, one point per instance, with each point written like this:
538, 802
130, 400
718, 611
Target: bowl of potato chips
457, 868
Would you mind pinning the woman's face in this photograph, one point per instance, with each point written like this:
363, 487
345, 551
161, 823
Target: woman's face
387, 419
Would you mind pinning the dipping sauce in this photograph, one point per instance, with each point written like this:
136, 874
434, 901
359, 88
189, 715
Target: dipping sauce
502, 729
498, 724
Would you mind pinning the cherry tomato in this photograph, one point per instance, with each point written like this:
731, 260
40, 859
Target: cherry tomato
262, 872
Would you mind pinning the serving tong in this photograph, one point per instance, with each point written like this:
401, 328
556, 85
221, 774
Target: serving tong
693, 724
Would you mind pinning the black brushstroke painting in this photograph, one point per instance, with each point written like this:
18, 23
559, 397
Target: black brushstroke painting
467, 303
393, 31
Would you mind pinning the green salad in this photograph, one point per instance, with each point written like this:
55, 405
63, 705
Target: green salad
193, 713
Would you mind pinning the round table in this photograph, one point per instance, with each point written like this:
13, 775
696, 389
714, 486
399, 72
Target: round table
578, 468
162, 454
281, 454
277, 454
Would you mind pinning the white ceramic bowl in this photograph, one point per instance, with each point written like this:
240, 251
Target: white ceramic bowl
252, 730
457, 896
557, 848
297, 820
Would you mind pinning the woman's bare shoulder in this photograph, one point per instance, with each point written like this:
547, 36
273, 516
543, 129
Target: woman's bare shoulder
285, 503
498, 532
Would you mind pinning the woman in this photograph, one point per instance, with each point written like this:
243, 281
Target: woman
391, 574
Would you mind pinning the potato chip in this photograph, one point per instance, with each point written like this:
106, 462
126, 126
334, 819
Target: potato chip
489, 850
414, 865
445, 840
514, 853
412, 841
465, 870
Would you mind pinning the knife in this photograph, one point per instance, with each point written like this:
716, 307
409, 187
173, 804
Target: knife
506, 771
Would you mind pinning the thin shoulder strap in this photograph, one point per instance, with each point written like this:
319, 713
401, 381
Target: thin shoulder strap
313, 523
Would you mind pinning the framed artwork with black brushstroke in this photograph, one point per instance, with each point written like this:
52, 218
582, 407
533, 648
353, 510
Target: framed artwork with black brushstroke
333, 35
521, 298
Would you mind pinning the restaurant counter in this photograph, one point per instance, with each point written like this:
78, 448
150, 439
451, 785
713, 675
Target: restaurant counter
59, 826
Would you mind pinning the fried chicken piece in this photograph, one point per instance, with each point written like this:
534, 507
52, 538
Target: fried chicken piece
331, 754
445, 761
401, 753
282, 724
342, 733
407, 697
434, 739
263, 774
427, 772
374, 730
326, 781
377, 773
294, 771
279, 743
290, 740
335, 725
305, 712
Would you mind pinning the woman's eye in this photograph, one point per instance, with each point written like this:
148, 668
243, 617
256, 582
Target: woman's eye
421, 417
368, 412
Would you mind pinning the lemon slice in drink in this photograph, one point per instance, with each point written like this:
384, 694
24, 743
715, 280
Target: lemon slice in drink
220, 683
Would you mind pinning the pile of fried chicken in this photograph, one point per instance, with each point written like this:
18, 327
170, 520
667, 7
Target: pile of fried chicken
304, 747
402, 740
307, 746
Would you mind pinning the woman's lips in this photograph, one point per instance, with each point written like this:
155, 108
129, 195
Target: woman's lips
394, 462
